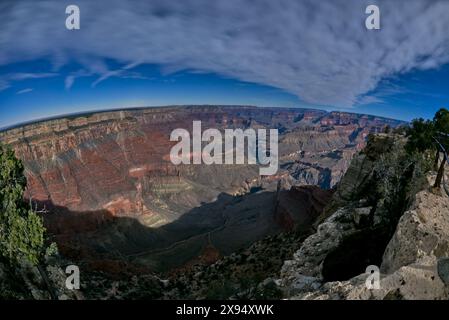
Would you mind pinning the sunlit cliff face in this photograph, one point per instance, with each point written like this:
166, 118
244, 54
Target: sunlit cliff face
108, 177
120, 160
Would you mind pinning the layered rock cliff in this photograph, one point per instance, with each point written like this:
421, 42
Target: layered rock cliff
105, 160
111, 191
402, 228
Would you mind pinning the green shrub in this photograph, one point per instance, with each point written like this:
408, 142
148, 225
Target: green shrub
21, 229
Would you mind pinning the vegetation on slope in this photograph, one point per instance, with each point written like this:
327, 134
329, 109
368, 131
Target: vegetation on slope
22, 234
428, 139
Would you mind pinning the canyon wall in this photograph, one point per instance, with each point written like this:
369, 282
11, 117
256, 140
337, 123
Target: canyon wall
119, 160
116, 164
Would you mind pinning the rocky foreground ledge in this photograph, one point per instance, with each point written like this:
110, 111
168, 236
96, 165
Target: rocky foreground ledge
413, 264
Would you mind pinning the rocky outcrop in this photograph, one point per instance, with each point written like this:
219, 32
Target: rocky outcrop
411, 257
414, 265
422, 233
308, 201
24, 281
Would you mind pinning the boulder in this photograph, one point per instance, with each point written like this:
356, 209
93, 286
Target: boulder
415, 263
443, 270
423, 231
361, 216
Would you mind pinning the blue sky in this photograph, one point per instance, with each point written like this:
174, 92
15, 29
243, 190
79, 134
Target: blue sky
48, 96
281, 54
415, 94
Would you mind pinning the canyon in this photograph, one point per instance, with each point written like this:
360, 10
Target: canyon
110, 194
397, 227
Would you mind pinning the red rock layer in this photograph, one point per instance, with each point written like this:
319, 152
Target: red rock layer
104, 160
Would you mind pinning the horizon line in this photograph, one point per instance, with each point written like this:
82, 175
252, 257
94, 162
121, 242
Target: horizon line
136, 108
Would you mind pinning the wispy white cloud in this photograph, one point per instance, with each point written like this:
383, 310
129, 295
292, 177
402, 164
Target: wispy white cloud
70, 79
7, 79
27, 90
369, 99
25, 76
122, 72
103, 73
68, 82
319, 51
4, 85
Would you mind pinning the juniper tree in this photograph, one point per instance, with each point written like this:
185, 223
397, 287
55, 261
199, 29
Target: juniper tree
441, 125
420, 136
21, 229
426, 136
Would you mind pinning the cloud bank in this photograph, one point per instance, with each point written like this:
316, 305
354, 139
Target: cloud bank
317, 50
